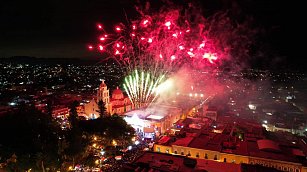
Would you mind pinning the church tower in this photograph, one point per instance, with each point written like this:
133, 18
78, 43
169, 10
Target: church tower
103, 93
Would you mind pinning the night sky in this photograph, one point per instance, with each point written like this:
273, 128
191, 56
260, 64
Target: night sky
62, 29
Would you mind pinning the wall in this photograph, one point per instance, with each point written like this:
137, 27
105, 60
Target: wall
230, 158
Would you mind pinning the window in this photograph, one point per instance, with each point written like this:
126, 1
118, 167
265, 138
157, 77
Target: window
215, 157
182, 153
197, 155
175, 152
189, 154
158, 149
225, 160
206, 156
167, 151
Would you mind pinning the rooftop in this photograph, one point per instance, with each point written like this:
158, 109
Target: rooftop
154, 112
176, 163
256, 143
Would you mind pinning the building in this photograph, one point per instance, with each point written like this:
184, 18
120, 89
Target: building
153, 161
91, 110
60, 112
118, 103
155, 120
210, 112
256, 148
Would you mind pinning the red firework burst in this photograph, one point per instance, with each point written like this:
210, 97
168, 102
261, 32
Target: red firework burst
158, 43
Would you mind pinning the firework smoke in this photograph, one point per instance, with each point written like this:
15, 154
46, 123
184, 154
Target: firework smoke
157, 45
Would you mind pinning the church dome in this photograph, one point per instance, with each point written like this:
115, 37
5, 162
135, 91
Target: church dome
117, 94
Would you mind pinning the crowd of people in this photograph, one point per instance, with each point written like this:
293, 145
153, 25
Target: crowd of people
114, 164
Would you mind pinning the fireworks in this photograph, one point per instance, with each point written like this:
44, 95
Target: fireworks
153, 47
141, 86
159, 43
156, 45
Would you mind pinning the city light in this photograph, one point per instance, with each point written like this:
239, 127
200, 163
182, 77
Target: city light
178, 85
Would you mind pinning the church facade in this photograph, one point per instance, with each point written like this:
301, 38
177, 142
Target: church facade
118, 103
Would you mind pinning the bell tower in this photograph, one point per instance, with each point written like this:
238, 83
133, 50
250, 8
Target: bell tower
103, 93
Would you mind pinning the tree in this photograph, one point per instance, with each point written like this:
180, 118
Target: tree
73, 115
102, 109
118, 129
32, 137
49, 107
76, 143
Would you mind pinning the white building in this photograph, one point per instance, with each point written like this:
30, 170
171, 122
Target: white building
153, 120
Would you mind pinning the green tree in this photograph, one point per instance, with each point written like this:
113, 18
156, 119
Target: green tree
102, 109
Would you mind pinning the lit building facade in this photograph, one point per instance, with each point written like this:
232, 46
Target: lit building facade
219, 156
221, 147
153, 121
91, 110
60, 112
118, 103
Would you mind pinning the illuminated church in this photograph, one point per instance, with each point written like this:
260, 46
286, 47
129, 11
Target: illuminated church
118, 103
